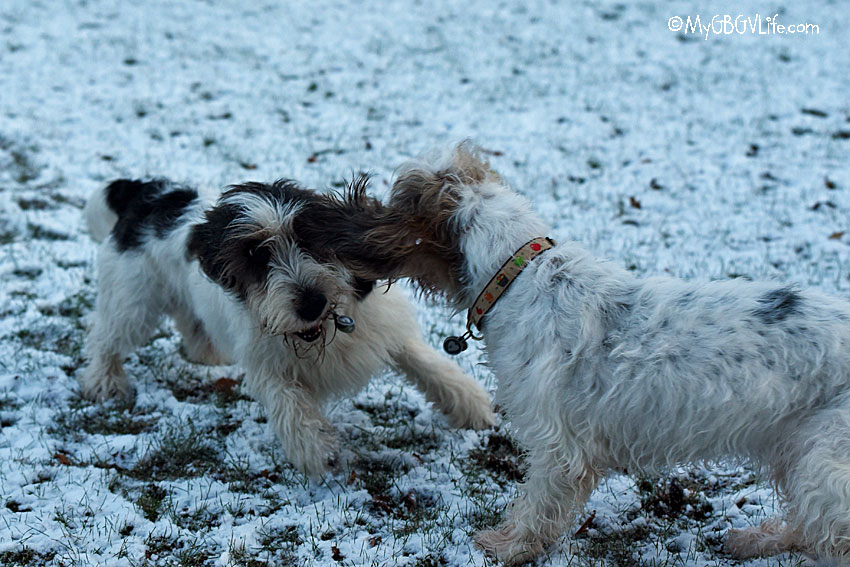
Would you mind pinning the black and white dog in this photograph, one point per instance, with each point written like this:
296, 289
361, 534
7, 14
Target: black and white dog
255, 279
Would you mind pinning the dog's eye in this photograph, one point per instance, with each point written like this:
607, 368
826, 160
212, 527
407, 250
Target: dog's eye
258, 257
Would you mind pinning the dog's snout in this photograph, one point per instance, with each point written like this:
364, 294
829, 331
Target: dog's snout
311, 305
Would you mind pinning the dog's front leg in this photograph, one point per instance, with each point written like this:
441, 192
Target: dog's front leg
551, 497
462, 399
308, 437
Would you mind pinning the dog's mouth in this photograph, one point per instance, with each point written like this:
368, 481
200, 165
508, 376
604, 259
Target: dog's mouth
312, 334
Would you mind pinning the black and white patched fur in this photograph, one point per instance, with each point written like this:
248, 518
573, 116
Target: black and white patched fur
599, 370
255, 279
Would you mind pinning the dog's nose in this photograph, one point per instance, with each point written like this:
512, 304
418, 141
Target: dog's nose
311, 305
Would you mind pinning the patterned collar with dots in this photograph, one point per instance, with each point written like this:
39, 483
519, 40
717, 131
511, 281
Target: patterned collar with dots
503, 279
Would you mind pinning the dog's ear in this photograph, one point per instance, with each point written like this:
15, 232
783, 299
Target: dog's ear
234, 259
402, 244
395, 228
415, 235
334, 229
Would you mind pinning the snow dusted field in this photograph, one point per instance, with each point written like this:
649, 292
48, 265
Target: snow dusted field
669, 153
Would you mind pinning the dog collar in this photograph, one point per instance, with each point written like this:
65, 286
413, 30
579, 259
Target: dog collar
494, 290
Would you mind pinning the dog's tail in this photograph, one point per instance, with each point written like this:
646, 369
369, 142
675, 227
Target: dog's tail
106, 205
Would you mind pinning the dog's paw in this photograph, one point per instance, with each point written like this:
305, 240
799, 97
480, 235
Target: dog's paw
472, 410
103, 387
507, 545
773, 536
477, 418
316, 456
743, 544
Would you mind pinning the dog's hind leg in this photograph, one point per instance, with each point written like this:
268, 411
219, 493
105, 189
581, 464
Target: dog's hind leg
197, 346
457, 395
552, 495
817, 486
129, 305
773, 536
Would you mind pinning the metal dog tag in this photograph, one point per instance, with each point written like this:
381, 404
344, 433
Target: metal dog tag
455, 345
344, 324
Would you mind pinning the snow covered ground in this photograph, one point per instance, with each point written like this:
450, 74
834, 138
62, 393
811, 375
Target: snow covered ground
668, 152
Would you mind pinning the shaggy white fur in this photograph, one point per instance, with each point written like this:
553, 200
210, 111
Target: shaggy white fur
291, 376
599, 370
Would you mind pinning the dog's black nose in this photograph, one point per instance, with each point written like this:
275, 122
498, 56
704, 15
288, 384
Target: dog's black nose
311, 305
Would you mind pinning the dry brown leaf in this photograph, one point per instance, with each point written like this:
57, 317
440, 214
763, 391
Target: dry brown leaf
63, 459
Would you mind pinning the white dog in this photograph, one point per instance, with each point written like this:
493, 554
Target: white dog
255, 279
599, 370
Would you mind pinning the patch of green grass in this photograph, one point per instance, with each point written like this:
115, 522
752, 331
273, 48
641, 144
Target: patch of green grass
618, 548
377, 475
25, 295
7, 236
67, 264
61, 199
57, 338
485, 511
34, 204
101, 419
501, 459
195, 520
241, 557
8, 403
417, 511
26, 557
162, 550
76, 306
29, 273
718, 484
242, 478
26, 337
38, 232
24, 169
71, 345
279, 544
228, 425
188, 388
389, 413
667, 498
668, 508
53, 337
411, 441
150, 501
180, 451
430, 560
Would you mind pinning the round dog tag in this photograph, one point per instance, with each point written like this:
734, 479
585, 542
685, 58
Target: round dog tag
344, 324
454, 345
